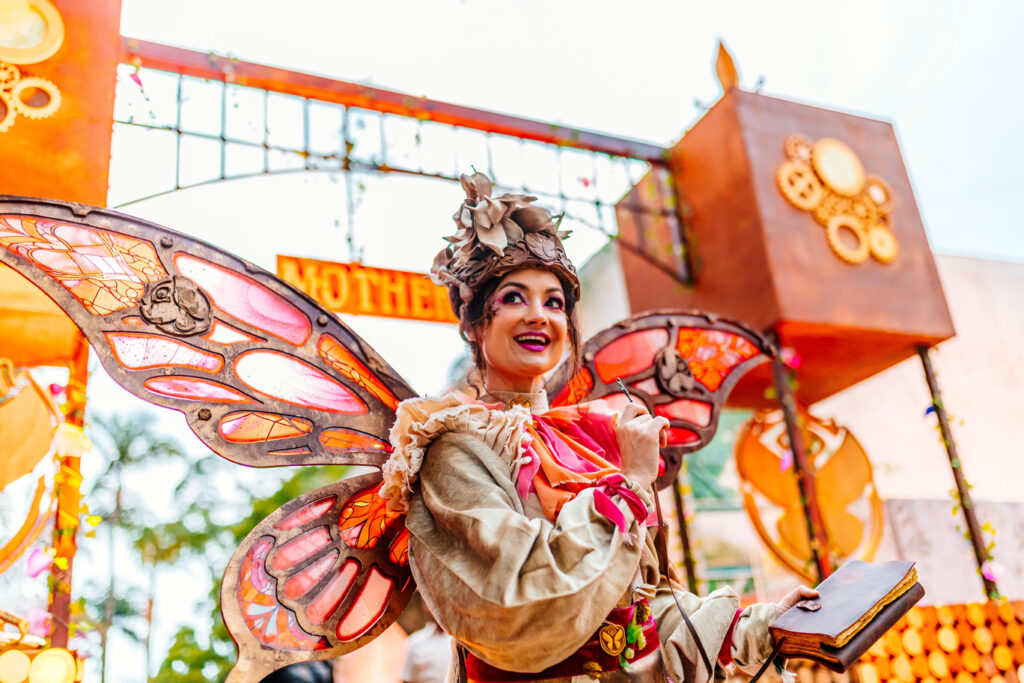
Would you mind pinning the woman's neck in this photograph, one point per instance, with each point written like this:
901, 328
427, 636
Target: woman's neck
496, 383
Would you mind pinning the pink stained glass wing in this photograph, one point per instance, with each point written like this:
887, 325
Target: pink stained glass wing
328, 599
269, 622
246, 300
301, 548
104, 270
370, 604
253, 427
194, 389
291, 380
694, 412
138, 351
297, 585
344, 594
307, 513
222, 333
629, 354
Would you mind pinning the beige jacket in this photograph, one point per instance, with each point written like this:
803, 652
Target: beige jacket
523, 593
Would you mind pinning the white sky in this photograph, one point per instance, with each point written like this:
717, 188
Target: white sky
947, 74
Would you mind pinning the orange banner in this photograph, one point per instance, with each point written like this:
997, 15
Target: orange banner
359, 289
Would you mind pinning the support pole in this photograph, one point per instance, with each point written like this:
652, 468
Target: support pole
804, 472
684, 533
973, 530
68, 493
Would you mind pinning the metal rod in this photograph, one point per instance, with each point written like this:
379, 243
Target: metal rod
973, 530
684, 534
804, 472
214, 67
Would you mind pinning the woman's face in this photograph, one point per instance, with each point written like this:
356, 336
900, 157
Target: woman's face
527, 333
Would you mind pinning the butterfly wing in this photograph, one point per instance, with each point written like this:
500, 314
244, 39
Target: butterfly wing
320, 577
264, 376
681, 366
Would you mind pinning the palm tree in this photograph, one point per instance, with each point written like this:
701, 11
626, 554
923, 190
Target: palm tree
128, 442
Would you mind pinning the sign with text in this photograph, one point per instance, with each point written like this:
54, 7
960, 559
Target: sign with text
359, 289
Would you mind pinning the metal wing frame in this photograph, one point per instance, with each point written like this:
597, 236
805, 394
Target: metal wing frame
681, 365
165, 312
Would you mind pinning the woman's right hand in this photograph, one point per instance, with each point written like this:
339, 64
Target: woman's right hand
639, 436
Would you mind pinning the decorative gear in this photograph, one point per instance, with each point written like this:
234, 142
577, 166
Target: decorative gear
798, 149
28, 110
853, 225
838, 166
799, 185
9, 114
9, 74
830, 206
883, 244
879, 192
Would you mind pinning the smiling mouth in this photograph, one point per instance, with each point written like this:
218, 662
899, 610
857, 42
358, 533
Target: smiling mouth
533, 342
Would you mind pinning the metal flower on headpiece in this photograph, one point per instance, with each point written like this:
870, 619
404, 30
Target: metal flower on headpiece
496, 235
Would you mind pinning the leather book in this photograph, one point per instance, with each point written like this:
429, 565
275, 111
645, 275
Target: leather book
855, 607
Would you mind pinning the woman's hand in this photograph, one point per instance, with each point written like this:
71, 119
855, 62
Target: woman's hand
794, 596
639, 436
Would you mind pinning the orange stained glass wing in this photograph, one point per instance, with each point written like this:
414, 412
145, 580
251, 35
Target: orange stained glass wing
105, 271
295, 381
575, 390
252, 427
272, 624
629, 354
399, 550
247, 300
366, 518
137, 351
712, 354
341, 440
349, 367
370, 604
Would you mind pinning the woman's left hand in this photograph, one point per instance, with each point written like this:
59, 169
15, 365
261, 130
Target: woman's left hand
794, 596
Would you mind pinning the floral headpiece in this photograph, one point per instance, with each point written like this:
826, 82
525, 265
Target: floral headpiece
496, 235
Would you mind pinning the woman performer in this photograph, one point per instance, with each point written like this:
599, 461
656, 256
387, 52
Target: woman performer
529, 527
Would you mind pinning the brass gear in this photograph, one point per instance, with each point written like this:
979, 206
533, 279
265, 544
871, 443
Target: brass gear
853, 225
831, 205
9, 113
799, 185
31, 112
864, 208
879, 192
9, 75
798, 149
883, 244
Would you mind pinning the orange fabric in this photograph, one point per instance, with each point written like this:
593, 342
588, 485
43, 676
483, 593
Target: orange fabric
34, 329
557, 481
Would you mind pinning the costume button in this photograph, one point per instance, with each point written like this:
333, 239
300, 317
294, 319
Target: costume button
612, 638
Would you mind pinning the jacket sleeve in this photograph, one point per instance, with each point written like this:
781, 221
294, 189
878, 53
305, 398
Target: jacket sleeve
522, 594
712, 616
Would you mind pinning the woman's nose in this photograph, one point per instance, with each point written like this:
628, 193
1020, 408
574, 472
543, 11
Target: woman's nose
535, 312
